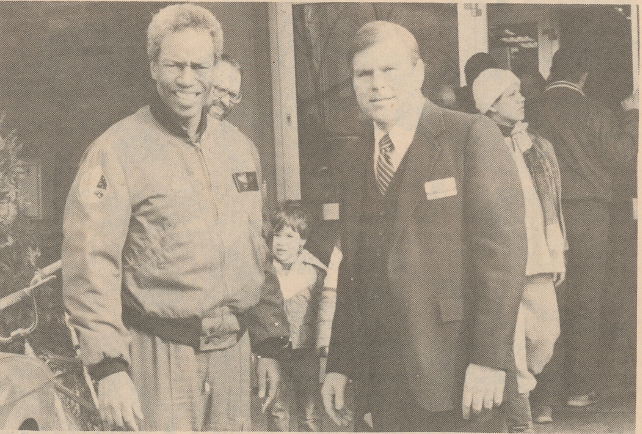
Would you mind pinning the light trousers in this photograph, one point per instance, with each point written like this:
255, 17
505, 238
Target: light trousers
537, 329
181, 389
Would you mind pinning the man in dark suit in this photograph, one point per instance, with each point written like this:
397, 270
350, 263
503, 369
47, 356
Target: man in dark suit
434, 246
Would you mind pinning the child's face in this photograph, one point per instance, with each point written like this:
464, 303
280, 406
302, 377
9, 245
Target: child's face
286, 245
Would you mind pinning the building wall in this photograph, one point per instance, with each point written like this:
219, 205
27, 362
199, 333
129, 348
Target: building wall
68, 70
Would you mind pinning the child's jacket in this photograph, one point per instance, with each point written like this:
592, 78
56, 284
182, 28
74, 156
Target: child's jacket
309, 306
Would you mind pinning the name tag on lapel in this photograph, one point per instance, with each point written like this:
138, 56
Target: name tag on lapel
440, 188
246, 181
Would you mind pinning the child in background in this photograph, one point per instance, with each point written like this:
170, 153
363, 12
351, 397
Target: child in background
309, 306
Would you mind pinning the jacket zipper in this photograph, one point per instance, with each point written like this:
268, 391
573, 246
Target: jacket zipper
210, 186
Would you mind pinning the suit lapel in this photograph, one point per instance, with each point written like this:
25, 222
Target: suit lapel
355, 189
420, 160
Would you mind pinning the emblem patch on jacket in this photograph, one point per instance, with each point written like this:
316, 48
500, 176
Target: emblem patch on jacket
246, 181
93, 185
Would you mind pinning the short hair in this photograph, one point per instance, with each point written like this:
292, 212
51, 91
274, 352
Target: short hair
178, 17
375, 32
231, 61
569, 64
290, 214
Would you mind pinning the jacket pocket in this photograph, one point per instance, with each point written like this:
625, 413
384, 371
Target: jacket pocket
451, 309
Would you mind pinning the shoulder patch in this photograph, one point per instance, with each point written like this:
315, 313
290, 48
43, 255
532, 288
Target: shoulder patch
93, 186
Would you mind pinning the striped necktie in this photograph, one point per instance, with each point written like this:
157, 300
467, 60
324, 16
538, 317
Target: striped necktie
385, 171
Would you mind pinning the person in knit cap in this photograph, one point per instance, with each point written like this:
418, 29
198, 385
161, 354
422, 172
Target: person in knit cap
497, 95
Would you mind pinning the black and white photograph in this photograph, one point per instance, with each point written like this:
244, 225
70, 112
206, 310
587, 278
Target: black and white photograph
334, 217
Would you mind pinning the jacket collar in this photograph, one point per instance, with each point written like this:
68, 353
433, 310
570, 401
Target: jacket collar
171, 122
305, 257
563, 83
421, 158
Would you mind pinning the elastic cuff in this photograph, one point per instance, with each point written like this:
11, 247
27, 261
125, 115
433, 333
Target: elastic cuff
273, 348
106, 367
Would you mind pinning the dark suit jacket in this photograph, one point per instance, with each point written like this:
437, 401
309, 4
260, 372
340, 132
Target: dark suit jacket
456, 264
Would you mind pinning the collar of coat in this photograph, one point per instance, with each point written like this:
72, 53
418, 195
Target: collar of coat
168, 119
566, 84
421, 158
305, 257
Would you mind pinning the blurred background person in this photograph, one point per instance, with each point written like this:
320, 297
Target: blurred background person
497, 95
590, 144
477, 63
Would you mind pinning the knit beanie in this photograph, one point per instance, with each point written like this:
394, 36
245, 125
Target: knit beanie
490, 85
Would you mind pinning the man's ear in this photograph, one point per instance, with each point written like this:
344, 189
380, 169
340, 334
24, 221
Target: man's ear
153, 70
419, 73
302, 242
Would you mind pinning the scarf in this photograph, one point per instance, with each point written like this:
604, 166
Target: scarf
540, 169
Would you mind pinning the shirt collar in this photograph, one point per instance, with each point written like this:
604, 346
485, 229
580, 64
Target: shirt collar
169, 120
402, 134
566, 84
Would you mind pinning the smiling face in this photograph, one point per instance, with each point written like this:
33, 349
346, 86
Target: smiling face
510, 107
226, 90
386, 80
183, 72
286, 245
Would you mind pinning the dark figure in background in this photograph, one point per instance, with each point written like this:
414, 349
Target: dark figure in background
590, 143
532, 82
424, 320
226, 87
477, 63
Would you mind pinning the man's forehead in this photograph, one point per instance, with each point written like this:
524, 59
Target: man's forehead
385, 50
187, 43
225, 68
225, 72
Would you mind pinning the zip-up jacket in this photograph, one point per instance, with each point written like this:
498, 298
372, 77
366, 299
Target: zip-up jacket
590, 142
169, 224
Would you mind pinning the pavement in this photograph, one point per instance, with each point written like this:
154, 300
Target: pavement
614, 412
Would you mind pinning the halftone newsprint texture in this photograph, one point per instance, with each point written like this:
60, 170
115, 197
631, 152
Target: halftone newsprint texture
71, 71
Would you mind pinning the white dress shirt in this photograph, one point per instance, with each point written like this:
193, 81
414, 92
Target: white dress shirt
401, 135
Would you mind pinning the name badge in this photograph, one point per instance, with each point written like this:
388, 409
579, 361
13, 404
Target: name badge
440, 188
246, 181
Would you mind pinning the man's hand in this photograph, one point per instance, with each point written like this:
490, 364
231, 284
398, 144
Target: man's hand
632, 101
483, 387
269, 374
118, 402
558, 278
333, 393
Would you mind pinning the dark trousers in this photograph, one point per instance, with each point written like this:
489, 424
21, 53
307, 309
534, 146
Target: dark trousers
573, 367
394, 409
300, 392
